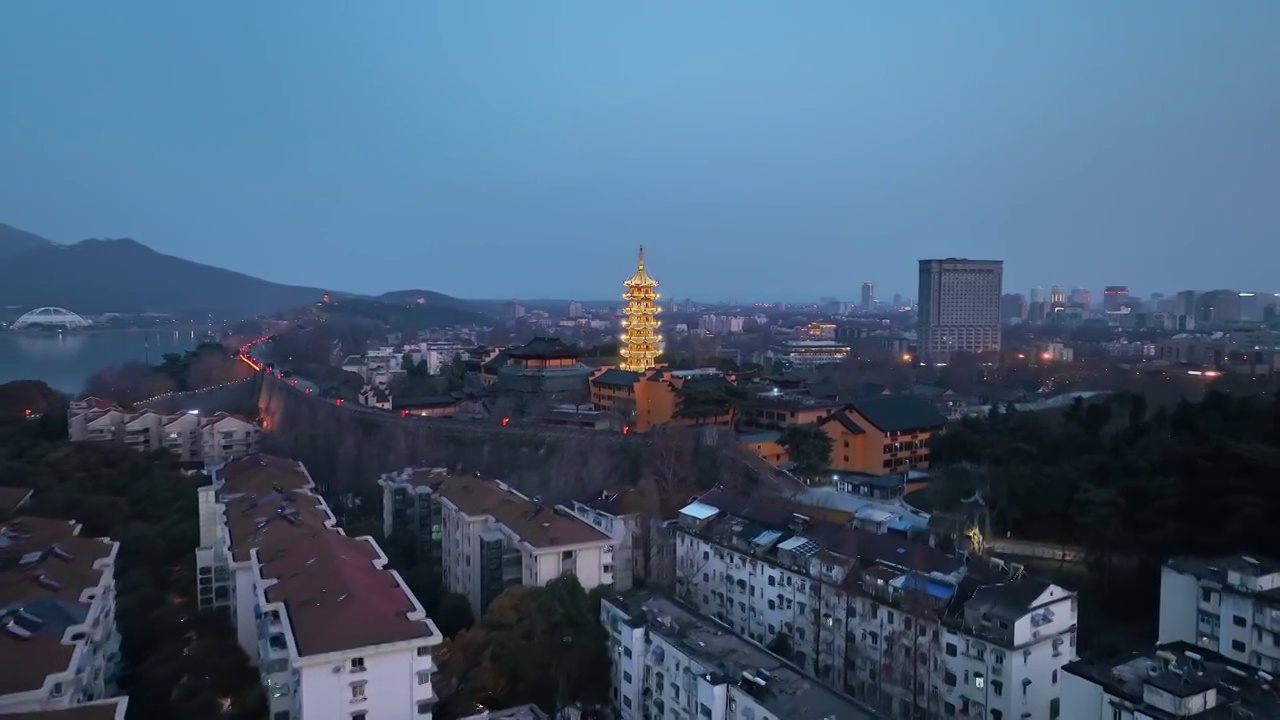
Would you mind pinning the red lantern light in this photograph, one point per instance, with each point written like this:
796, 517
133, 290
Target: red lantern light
404, 413
626, 429
505, 421
339, 401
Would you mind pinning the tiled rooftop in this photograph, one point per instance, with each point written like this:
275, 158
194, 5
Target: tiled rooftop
538, 525
111, 710
788, 694
336, 596
44, 568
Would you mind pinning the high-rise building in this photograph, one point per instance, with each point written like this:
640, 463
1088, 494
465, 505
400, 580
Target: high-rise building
1037, 295
1057, 299
1187, 303
1079, 298
575, 309
1114, 298
1013, 308
959, 306
868, 296
640, 338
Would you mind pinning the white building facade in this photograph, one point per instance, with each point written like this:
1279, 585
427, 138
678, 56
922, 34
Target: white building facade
334, 633
875, 615
1229, 605
493, 537
670, 663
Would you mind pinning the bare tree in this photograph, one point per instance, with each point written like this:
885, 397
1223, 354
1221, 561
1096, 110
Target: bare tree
691, 560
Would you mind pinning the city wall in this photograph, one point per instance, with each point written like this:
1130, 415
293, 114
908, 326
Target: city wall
239, 397
348, 446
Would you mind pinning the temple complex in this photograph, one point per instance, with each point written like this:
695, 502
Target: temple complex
640, 340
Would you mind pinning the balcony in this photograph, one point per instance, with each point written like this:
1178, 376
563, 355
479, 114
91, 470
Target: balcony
273, 647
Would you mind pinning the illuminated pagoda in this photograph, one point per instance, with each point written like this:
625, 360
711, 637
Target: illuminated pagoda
640, 338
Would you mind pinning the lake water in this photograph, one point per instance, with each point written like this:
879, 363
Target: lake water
66, 360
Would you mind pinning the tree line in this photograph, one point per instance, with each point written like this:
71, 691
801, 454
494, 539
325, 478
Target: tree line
1123, 483
209, 364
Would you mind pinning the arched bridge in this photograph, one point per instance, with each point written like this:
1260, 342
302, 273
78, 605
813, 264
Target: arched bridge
51, 317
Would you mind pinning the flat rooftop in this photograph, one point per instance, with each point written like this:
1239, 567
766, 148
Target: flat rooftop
336, 595
113, 709
789, 694
44, 567
1183, 670
541, 526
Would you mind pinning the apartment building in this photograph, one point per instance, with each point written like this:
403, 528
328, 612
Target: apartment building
896, 624
59, 648
670, 663
882, 435
489, 537
195, 438
1229, 604
334, 633
1178, 681
644, 546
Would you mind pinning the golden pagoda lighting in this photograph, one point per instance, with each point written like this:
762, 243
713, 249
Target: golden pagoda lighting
640, 324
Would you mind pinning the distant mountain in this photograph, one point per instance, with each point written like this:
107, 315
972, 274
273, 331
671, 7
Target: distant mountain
15, 242
125, 276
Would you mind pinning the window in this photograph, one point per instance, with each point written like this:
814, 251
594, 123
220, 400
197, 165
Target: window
362, 715
424, 651
357, 664
626, 677
949, 679
357, 691
1237, 645
424, 678
951, 649
1239, 621
425, 707
1206, 594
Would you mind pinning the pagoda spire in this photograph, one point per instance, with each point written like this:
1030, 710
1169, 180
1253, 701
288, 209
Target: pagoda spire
640, 339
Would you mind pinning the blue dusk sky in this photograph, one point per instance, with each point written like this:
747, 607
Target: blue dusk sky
758, 149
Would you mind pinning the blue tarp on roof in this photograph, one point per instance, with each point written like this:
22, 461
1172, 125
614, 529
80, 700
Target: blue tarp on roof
766, 537
931, 587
